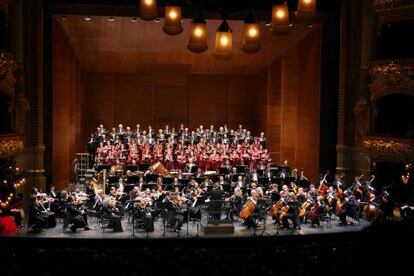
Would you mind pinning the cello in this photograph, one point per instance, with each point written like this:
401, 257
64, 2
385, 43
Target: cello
305, 206
275, 208
247, 209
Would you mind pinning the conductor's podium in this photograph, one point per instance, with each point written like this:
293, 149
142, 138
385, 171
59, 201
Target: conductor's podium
214, 229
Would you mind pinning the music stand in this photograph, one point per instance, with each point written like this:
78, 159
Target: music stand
274, 171
263, 181
187, 234
168, 187
288, 180
223, 170
132, 179
200, 180
148, 186
133, 218
184, 181
235, 177
113, 179
103, 166
132, 168
304, 184
151, 177
241, 169
226, 187
143, 167
277, 180
167, 180
164, 206
194, 169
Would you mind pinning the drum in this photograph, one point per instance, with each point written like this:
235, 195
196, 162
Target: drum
158, 168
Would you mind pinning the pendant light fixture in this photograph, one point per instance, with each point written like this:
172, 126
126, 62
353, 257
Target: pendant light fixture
224, 41
280, 18
197, 42
148, 9
172, 22
251, 35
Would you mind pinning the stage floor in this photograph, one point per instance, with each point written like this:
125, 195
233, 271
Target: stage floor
194, 230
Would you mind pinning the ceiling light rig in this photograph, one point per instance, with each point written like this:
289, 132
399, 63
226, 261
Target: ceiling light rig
279, 23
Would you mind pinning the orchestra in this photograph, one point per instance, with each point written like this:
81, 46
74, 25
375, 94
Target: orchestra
199, 172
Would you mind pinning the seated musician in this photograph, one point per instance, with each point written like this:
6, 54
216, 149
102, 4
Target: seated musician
250, 210
37, 220
317, 211
54, 200
74, 216
115, 195
236, 202
99, 201
112, 213
292, 212
174, 218
347, 208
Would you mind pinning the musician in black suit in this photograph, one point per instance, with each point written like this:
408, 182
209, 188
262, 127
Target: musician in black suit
74, 216
37, 221
292, 213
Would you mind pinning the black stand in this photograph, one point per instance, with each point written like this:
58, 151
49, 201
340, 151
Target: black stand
264, 233
133, 225
187, 234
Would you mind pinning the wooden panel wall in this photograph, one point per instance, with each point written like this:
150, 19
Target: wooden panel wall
301, 104
241, 105
170, 99
68, 103
274, 108
260, 102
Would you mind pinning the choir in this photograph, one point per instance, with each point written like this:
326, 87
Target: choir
209, 148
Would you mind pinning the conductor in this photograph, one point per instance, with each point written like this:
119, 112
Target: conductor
216, 199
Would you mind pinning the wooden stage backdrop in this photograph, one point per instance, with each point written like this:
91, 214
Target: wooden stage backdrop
283, 100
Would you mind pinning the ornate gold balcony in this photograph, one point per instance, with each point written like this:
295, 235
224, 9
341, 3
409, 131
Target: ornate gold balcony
10, 144
391, 76
389, 146
392, 4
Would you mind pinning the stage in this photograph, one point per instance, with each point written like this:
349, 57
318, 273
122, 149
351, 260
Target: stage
194, 231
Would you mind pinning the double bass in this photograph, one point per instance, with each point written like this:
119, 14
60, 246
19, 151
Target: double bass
323, 188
